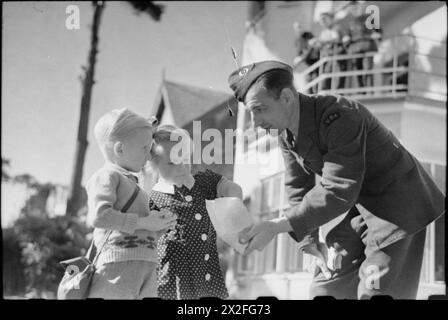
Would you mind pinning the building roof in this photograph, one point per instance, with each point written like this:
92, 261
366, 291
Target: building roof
188, 103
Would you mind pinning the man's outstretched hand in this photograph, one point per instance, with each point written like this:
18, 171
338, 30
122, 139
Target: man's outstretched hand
262, 233
258, 236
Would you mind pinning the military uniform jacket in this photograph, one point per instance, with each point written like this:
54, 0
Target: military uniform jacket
361, 163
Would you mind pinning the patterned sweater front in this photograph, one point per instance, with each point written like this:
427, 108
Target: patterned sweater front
108, 190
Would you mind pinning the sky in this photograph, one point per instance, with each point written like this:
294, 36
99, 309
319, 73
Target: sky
42, 59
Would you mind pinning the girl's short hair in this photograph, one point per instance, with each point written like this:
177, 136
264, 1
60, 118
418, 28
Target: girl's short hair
117, 125
169, 133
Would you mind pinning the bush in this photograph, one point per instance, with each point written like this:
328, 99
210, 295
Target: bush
44, 242
13, 277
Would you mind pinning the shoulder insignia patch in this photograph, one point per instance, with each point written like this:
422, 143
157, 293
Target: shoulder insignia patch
332, 117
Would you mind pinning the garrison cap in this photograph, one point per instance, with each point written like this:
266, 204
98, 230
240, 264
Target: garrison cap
242, 79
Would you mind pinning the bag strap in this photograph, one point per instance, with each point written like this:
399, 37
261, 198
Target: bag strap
131, 199
90, 251
109, 232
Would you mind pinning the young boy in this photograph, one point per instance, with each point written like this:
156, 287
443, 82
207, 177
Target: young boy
126, 266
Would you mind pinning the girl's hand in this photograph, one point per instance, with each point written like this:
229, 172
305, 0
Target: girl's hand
166, 214
157, 220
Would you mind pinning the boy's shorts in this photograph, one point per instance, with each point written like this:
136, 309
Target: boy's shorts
133, 279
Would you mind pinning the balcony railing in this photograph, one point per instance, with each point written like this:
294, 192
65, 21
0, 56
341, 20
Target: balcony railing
401, 67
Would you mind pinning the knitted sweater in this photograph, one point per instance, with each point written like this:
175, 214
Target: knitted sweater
108, 190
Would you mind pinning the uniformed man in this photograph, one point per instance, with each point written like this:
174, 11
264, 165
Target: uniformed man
364, 170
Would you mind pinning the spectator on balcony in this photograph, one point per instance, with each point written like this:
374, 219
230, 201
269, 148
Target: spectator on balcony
330, 41
360, 39
307, 53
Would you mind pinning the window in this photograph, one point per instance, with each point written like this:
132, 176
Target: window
439, 264
433, 266
266, 192
439, 230
272, 189
247, 120
440, 176
267, 258
277, 185
246, 264
294, 257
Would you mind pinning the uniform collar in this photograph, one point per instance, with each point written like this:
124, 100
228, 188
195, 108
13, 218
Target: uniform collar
307, 126
123, 171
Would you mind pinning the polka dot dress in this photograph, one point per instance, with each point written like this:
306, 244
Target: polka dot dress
189, 264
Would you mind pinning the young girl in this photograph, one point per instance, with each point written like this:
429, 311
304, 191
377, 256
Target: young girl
188, 258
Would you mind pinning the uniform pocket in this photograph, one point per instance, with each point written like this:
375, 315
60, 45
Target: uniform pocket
347, 236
